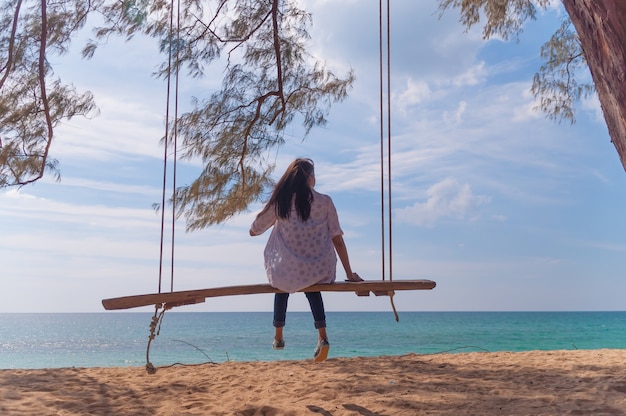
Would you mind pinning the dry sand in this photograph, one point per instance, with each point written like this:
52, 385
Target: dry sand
524, 383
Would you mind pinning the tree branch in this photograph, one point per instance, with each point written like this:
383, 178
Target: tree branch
42, 86
277, 51
11, 43
280, 93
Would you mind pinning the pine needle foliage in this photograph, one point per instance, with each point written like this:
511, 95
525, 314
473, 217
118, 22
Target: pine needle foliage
269, 82
32, 100
556, 85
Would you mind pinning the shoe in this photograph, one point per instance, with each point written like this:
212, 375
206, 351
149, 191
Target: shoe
321, 351
278, 344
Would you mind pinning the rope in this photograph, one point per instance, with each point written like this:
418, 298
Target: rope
155, 329
382, 136
157, 319
382, 148
167, 142
389, 139
393, 305
175, 138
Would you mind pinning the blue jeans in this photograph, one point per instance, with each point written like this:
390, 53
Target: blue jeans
315, 301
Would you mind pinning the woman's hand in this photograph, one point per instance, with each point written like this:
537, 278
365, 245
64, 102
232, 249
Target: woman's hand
355, 278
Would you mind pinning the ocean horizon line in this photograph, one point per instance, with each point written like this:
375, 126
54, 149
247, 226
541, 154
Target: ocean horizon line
327, 311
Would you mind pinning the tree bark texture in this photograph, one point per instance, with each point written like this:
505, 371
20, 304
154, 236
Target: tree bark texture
601, 27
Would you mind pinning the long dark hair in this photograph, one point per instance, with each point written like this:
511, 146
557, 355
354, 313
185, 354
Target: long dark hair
295, 181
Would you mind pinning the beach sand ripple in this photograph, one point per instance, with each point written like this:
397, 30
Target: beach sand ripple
522, 383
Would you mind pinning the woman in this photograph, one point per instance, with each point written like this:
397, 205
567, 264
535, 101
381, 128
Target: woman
301, 249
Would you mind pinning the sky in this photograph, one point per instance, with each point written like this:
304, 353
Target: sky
504, 209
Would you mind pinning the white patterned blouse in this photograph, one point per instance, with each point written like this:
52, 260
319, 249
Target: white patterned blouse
300, 253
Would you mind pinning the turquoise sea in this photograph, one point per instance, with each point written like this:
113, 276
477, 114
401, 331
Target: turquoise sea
120, 339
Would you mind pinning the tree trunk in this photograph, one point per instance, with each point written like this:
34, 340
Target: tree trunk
601, 27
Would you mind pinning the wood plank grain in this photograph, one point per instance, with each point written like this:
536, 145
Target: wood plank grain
195, 296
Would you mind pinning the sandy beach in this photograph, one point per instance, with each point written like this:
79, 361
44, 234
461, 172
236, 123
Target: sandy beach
524, 383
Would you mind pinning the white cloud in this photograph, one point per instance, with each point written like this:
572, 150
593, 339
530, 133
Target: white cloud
107, 186
446, 199
528, 109
124, 127
474, 75
592, 106
414, 93
60, 214
556, 5
456, 117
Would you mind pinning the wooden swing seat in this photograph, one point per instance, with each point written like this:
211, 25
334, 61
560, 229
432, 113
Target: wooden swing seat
189, 297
